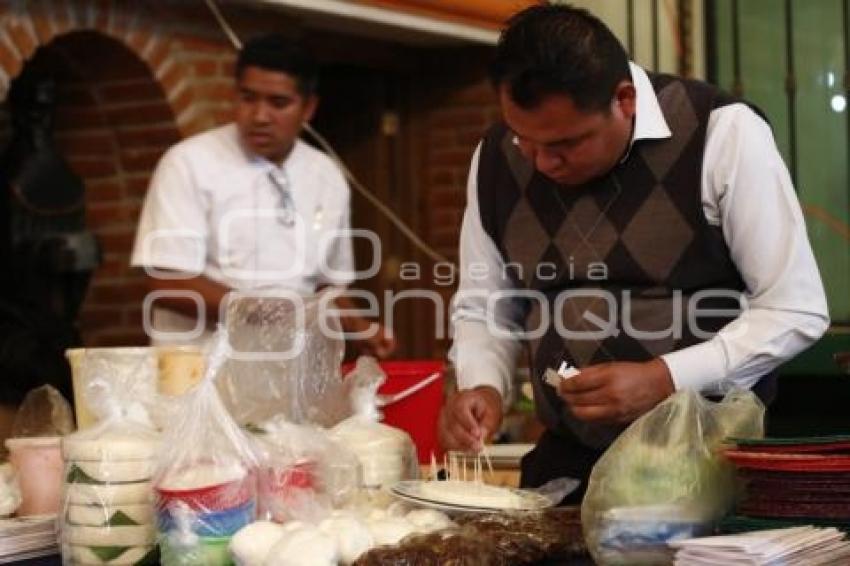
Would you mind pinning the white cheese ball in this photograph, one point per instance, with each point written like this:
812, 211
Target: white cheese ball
294, 525
428, 520
376, 514
397, 509
251, 545
304, 546
390, 531
352, 537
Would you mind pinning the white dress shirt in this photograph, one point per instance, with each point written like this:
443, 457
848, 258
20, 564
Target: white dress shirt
213, 210
747, 192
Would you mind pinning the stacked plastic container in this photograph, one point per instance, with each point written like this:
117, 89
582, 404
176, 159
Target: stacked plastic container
200, 510
206, 480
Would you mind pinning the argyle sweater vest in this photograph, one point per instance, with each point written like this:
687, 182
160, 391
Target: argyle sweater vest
623, 268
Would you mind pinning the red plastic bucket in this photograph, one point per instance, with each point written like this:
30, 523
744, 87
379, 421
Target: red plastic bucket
417, 414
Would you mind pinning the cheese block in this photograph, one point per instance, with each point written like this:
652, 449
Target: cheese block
142, 535
471, 494
118, 556
109, 447
202, 476
117, 515
108, 495
108, 471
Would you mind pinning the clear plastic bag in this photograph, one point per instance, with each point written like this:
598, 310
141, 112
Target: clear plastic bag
108, 511
136, 363
44, 412
303, 475
286, 361
665, 478
387, 454
205, 482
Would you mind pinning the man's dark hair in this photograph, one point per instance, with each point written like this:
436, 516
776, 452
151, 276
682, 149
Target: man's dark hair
547, 50
275, 52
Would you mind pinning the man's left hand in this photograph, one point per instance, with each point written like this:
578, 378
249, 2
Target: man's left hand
381, 343
617, 392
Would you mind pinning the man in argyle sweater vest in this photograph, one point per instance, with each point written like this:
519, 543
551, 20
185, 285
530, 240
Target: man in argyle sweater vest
594, 203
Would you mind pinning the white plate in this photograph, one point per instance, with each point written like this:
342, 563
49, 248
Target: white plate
411, 492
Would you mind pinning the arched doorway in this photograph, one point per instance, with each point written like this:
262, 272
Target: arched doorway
113, 122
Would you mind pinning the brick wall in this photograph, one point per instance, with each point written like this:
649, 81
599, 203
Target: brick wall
461, 105
454, 129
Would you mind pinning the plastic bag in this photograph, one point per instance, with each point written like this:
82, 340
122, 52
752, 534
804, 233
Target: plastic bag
10, 491
108, 500
557, 489
665, 478
289, 363
303, 475
134, 363
387, 454
205, 482
44, 412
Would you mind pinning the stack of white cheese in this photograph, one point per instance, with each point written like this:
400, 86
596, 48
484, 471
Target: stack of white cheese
108, 516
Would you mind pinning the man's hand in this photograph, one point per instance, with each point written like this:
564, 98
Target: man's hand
617, 392
469, 417
381, 344
368, 337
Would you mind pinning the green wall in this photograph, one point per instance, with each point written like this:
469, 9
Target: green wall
820, 125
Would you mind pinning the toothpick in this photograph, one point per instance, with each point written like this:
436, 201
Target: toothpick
464, 466
486, 454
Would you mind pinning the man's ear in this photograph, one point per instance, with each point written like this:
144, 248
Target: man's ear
625, 99
310, 106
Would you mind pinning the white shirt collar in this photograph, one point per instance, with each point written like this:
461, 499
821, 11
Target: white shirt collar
649, 120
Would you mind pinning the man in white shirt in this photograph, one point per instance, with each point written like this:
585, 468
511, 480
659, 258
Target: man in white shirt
605, 216
249, 206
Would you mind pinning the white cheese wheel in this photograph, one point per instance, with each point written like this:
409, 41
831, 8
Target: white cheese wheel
143, 535
109, 495
110, 447
109, 471
98, 515
383, 451
84, 555
471, 494
202, 475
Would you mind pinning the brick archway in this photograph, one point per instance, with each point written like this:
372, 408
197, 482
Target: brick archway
112, 124
132, 87
194, 71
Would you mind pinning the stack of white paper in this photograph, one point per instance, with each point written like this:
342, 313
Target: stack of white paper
809, 546
27, 537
